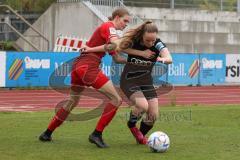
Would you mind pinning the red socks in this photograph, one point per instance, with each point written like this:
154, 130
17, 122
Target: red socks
106, 117
58, 119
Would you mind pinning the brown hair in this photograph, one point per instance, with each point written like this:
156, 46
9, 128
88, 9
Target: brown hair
119, 12
136, 35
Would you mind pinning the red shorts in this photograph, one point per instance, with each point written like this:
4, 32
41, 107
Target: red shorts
85, 74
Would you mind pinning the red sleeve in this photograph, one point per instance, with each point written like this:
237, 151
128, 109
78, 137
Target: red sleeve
112, 53
108, 31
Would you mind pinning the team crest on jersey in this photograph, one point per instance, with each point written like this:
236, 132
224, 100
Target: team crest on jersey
112, 30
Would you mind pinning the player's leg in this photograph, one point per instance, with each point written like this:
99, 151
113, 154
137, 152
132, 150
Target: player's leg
105, 86
152, 115
140, 107
63, 111
61, 114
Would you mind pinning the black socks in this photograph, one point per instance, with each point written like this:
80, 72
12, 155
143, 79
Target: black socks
133, 120
144, 128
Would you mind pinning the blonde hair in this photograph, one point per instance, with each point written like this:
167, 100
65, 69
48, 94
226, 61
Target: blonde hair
136, 35
118, 12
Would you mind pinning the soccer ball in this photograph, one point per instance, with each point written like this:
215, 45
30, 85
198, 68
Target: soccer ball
158, 142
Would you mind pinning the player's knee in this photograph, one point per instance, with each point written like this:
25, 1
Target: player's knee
117, 101
70, 105
143, 105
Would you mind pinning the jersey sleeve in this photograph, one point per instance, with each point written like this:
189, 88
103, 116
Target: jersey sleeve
112, 53
108, 31
159, 45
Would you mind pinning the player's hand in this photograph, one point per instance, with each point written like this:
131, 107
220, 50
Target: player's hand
84, 48
148, 54
159, 59
110, 47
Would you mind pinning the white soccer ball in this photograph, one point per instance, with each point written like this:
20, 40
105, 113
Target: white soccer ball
158, 142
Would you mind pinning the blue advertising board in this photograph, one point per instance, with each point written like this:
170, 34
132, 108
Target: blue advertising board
184, 70
212, 70
24, 69
27, 69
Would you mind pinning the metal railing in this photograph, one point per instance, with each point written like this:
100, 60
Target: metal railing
106, 8
222, 5
9, 35
219, 5
26, 22
21, 35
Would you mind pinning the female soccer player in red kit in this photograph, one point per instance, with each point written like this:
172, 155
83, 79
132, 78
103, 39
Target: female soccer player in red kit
86, 72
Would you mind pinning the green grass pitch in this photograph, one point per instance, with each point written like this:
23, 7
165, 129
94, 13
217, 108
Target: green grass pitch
196, 133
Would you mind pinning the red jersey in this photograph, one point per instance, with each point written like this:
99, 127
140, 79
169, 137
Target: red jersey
85, 70
101, 36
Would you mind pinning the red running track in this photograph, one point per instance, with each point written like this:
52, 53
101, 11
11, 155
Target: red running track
35, 100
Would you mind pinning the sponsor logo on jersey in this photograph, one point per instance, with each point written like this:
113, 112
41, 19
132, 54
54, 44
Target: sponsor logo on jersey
140, 62
112, 30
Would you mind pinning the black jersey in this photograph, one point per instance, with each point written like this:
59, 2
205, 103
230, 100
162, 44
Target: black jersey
138, 60
136, 75
137, 64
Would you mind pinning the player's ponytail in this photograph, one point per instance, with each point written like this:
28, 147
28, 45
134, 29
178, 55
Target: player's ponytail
136, 35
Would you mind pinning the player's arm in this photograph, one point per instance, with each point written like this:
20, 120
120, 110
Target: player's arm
103, 48
165, 56
119, 59
85, 48
148, 54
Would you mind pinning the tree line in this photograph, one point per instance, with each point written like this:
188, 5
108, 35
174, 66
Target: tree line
28, 5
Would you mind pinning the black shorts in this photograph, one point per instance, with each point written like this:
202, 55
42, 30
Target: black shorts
135, 78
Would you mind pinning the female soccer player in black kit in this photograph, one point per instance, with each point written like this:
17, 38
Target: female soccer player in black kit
136, 79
